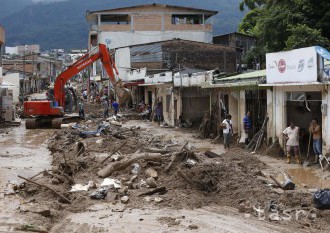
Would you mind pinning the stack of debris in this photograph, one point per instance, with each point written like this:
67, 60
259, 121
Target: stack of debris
127, 165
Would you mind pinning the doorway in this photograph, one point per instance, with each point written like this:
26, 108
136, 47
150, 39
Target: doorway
302, 108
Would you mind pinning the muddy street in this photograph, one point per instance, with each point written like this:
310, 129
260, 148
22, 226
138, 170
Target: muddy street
23, 152
218, 194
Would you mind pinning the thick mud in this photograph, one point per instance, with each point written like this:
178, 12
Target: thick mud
23, 152
233, 179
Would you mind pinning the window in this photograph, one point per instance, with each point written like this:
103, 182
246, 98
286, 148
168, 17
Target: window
115, 19
187, 19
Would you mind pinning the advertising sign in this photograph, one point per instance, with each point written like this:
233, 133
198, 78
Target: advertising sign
299, 65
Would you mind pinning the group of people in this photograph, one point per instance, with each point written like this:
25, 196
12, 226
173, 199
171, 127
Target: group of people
291, 134
228, 132
146, 111
104, 101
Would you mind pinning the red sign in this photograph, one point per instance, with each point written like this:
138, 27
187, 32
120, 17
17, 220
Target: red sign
281, 66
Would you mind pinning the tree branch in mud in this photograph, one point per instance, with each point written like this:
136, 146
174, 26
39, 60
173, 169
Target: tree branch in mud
121, 165
114, 151
42, 185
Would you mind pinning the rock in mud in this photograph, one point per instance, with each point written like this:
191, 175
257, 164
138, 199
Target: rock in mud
151, 182
124, 199
150, 172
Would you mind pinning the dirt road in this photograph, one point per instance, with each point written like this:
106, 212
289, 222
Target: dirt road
25, 152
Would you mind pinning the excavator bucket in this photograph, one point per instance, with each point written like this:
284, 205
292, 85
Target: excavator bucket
123, 94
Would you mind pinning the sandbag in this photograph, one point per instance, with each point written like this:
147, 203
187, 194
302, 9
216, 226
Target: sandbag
322, 199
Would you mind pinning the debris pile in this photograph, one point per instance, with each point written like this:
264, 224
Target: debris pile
127, 165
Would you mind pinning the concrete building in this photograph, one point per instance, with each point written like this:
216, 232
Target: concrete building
294, 87
243, 43
299, 81
36, 72
148, 23
171, 72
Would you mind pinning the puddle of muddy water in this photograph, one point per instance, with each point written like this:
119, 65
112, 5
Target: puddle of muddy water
307, 176
23, 152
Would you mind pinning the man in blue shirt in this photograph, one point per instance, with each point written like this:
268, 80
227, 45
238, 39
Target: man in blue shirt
248, 127
115, 106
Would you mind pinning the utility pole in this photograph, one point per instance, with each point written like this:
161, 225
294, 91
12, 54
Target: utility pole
24, 76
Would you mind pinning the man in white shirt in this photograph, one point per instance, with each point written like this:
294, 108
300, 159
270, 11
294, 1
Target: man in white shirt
227, 131
291, 134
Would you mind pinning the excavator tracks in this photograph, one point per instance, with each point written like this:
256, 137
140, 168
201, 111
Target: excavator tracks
31, 124
50, 122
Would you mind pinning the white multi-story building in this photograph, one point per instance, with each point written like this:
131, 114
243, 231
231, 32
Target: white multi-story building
148, 23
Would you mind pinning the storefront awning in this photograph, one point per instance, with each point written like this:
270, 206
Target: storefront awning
240, 81
150, 84
132, 84
293, 84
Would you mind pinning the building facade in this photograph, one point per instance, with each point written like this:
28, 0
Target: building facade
148, 23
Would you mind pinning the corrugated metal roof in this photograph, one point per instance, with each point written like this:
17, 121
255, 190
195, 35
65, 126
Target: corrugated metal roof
254, 74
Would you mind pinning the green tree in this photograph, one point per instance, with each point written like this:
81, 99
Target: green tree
287, 24
303, 36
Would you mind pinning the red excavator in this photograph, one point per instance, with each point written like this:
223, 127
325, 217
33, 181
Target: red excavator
50, 112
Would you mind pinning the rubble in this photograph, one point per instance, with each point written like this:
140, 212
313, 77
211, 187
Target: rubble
132, 174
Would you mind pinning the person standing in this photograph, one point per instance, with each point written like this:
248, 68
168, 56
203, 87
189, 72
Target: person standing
115, 106
291, 134
315, 130
227, 131
85, 95
81, 108
248, 127
159, 112
105, 106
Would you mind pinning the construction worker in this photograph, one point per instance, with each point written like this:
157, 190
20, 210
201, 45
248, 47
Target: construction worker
291, 134
315, 130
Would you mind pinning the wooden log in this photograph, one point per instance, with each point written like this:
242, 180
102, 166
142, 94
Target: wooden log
114, 151
160, 190
157, 150
42, 185
120, 165
284, 181
211, 154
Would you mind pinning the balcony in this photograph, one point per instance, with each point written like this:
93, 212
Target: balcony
115, 27
189, 27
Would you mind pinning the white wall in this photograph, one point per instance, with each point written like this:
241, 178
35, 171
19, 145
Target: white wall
123, 62
196, 79
136, 74
13, 78
122, 39
159, 78
11, 50
326, 120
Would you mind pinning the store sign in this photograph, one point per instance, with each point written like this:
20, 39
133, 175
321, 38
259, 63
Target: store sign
299, 65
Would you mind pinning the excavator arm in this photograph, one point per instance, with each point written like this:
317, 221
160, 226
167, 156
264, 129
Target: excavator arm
83, 63
45, 112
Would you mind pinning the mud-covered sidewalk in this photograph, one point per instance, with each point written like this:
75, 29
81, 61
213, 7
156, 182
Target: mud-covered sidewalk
222, 192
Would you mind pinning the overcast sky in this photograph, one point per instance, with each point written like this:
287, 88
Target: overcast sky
48, 0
